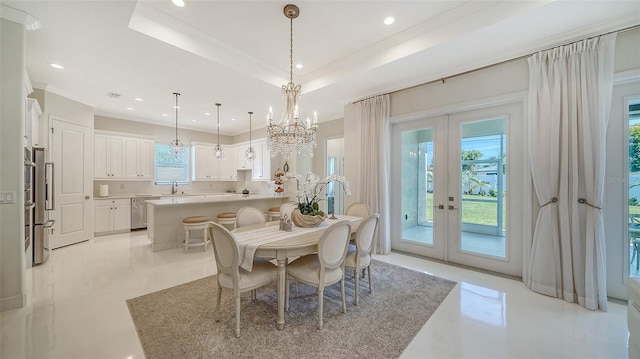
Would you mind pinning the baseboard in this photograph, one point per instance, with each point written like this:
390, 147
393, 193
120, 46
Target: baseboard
15, 302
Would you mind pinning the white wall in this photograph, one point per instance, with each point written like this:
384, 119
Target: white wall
12, 114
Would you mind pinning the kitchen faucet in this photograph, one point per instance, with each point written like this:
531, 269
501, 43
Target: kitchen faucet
174, 187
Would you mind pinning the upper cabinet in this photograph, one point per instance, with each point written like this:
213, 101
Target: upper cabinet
262, 163
204, 166
229, 164
120, 157
139, 158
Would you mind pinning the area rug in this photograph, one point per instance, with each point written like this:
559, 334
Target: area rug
179, 322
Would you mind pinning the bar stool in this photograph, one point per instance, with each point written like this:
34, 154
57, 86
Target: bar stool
274, 213
227, 218
195, 223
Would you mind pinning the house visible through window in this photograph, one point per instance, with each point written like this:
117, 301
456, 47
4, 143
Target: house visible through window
168, 168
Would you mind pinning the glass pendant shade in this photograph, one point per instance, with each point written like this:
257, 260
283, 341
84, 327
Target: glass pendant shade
176, 148
218, 152
250, 153
291, 136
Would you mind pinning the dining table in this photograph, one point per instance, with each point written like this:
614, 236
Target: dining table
267, 240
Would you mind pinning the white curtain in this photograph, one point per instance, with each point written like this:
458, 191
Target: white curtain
373, 141
569, 100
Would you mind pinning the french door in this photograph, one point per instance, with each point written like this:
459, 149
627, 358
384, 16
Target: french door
458, 184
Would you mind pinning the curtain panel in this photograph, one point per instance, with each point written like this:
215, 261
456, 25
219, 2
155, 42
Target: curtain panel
570, 91
373, 139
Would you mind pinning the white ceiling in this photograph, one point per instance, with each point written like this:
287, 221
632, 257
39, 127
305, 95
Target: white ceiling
237, 52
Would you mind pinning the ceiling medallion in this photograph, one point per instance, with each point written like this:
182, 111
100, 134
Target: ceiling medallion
291, 136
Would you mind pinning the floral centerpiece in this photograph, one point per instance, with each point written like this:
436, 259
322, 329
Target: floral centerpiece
308, 213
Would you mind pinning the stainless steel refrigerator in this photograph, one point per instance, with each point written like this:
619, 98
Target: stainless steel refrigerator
44, 203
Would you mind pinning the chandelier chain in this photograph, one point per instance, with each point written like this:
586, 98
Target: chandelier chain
291, 51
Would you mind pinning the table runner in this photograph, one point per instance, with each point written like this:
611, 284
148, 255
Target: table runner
249, 241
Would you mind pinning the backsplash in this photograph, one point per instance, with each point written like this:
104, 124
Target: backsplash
149, 187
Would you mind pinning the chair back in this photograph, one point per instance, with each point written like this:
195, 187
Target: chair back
358, 209
287, 208
225, 249
249, 215
332, 246
365, 233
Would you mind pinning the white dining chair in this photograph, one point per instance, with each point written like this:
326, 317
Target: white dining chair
359, 254
358, 209
249, 215
230, 275
325, 267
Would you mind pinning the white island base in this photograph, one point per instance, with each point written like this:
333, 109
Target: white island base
164, 216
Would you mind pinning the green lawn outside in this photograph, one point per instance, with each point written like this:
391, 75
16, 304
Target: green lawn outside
476, 212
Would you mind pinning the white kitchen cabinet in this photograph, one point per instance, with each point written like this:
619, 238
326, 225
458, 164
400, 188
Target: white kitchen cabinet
139, 158
229, 164
109, 157
243, 163
262, 163
112, 215
204, 166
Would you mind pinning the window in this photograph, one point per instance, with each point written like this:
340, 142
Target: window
168, 168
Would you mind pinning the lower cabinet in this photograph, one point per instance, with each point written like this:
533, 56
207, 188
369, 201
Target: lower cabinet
112, 215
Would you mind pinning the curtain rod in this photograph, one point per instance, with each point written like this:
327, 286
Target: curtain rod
442, 79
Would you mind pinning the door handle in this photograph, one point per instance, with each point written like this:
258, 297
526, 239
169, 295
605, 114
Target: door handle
440, 206
87, 197
452, 207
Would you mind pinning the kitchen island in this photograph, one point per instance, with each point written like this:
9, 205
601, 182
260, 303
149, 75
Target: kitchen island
164, 216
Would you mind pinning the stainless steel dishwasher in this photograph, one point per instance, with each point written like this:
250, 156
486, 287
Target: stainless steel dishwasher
139, 211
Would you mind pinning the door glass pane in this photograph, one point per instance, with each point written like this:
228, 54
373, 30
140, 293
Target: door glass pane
483, 176
417, 186
634, 188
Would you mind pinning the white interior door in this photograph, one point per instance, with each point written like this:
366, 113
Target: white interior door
455, 178
72, 154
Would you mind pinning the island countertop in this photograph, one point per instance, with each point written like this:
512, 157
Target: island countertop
211, 198
164, 216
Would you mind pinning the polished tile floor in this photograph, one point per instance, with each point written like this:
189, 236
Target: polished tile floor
76, 308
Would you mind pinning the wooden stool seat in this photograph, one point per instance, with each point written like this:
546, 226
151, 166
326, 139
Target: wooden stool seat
195, 223
274, 213
227, 218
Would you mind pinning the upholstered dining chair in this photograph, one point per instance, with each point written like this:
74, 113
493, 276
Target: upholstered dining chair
325, 267
230, 275
287, 208
249, 215
359, 254
358, 209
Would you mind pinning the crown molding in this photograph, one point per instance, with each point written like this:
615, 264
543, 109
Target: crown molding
11, 14
63, 93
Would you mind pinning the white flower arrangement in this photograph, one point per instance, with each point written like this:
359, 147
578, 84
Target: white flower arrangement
310, 188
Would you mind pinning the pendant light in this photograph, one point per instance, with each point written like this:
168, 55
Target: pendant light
250, 152
176, 148
217, 151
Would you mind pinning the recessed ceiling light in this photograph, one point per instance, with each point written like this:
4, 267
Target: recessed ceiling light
233, 119
207, 114
178, 3
138, 99
390, 20
193, 120
56, 66
299, 66
165, 115
174, 106
129, 108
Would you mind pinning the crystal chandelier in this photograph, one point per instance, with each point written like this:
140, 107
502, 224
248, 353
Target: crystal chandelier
250, 153
176, 148
291, 136
217, 151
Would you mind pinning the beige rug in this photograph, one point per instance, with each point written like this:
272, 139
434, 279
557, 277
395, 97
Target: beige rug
178, 322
